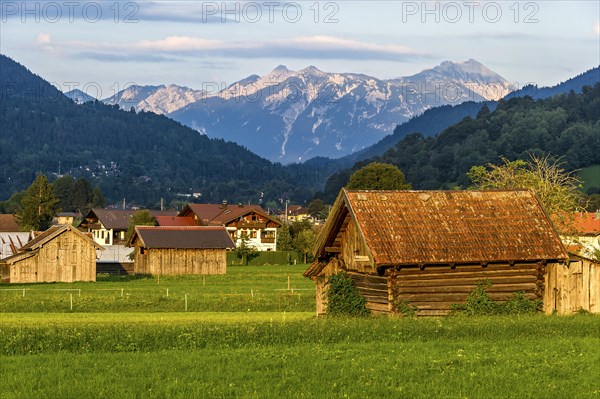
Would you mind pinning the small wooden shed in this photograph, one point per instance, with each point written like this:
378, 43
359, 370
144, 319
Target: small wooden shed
59, 254
176, 250
430, 248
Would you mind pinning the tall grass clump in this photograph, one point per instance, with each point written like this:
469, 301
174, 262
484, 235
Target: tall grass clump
479, 303
343, 298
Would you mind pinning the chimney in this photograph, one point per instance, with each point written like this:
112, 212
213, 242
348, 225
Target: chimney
224, 204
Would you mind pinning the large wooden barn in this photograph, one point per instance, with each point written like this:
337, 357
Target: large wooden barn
430, 248
180, 250
61, 253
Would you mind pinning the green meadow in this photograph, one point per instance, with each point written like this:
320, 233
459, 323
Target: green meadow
263, 347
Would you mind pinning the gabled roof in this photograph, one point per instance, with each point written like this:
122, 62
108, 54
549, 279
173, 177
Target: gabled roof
445, 227
217, 214
53, 232
182, 237
175, 221
32, 247
8, 223
118, 219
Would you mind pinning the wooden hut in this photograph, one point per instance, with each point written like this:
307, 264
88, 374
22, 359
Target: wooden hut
180, 249
430, 248
61, 253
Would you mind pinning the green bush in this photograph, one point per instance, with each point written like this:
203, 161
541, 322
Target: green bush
406, 308
343, 298
479, 303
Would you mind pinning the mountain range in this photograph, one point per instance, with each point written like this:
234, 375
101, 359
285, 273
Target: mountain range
290, 116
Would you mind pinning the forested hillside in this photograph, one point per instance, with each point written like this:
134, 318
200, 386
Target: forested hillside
138, 156
566, 125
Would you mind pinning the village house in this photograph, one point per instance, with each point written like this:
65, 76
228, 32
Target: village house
59, 254
67, 217
249, 221
581, 233
174, 250
430, 248
109, 226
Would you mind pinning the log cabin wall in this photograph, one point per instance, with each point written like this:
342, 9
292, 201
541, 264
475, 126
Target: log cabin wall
434, 289
573, 287
355, 252
66, 258
172, 261
375, 291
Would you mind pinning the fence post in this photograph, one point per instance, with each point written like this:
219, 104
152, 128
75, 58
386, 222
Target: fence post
167, 292
289, 283
71, 301
186, 302
121, 292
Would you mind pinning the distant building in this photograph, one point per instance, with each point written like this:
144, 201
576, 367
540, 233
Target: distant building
109, 226
240, 220
8, 223
582, 233
67, 217
180, 250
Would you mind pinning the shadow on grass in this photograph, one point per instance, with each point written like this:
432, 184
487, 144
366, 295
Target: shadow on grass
121, 279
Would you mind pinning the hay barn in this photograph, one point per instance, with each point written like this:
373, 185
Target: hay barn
173, 250
430, 248
59, 254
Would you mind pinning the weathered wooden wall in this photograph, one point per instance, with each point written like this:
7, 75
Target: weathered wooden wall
434, 289
180, 261
354, 250
573, 287
375, 291
66, 258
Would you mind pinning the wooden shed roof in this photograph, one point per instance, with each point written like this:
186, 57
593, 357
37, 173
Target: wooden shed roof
446, 227
55, 231
182, 237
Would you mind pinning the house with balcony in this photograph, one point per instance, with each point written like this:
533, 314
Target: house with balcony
249, 221
109, 226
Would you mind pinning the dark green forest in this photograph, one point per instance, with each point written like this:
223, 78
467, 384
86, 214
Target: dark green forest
567, 126
142, 157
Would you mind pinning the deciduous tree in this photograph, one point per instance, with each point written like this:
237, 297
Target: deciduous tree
378, 176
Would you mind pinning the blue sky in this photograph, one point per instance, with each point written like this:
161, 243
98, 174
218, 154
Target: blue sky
104, 46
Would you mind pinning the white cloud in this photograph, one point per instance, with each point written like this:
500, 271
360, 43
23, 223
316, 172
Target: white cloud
301, 47
43, 38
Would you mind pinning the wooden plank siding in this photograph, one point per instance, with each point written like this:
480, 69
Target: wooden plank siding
435, 289
573, 287
66, 258
172, 261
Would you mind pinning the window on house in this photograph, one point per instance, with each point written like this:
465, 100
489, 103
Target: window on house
141, 251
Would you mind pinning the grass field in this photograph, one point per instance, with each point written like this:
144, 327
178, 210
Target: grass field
590, 177
250, 289
136, 352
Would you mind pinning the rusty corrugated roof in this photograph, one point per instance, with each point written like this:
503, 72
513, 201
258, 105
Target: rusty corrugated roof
183, 237
435, 227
